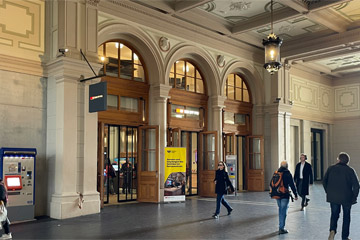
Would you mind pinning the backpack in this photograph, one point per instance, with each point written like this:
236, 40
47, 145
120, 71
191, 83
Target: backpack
277, 189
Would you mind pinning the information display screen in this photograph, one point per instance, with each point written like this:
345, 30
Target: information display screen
13, 182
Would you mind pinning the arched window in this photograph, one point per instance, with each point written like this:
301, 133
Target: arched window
120, 61
184, 75
236, 88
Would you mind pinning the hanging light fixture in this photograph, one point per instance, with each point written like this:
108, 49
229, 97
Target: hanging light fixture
272, 49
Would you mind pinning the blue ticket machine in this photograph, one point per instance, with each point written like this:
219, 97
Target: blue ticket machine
17, 169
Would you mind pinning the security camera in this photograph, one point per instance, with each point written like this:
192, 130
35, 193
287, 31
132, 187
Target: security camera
63, 51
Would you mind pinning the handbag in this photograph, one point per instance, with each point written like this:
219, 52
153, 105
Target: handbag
3, 212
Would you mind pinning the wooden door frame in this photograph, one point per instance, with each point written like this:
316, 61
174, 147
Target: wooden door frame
100, 163
207, 173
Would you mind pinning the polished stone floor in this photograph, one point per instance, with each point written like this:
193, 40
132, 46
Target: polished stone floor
254, 217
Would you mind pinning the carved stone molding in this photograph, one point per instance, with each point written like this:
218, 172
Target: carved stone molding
93, 2
220, 60
164, 44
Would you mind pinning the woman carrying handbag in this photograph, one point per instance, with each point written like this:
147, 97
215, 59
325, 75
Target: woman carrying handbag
222, 183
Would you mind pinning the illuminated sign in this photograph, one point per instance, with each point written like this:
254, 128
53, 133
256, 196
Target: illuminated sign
98, 97
185, 111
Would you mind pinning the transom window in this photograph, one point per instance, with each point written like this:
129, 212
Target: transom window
236, 88
121, 61
185, 76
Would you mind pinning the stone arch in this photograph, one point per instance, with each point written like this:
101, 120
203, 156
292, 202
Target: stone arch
253, 80
203, 61
141, 42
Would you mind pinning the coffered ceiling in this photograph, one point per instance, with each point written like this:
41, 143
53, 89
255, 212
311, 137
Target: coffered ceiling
323, 35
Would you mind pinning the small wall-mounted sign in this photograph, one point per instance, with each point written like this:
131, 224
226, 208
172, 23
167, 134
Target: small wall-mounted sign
98, 97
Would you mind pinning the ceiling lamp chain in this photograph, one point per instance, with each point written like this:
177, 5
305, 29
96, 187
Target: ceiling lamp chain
272, 48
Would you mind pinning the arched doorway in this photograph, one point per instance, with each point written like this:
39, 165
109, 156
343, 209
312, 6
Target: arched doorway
124, 133
237, 134
187, 122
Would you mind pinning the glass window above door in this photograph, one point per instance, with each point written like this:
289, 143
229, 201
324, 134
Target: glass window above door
236, 88
185, 76
121, 61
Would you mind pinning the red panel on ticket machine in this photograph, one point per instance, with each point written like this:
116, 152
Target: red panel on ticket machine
13, 182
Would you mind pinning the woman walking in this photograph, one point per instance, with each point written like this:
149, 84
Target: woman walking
222, 182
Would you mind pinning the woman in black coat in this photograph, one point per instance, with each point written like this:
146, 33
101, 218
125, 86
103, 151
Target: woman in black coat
303, 179
222, 182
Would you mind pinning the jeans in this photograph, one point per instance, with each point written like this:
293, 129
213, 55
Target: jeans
6, 227
283, 205
220, 199
335, 213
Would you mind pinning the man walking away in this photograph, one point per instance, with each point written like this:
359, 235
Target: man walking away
341, 185
279, 190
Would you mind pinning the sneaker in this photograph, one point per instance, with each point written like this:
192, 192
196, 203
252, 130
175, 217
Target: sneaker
307, 202
331, 235
230, 210
6, 236
216, 216
283, 231
302, 209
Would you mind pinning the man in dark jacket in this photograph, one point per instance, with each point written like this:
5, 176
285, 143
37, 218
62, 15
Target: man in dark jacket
341, 185
303, 177
283, 201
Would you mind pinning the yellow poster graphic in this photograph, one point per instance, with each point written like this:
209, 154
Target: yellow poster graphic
175, 174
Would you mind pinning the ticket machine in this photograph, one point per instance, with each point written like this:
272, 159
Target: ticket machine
17, 169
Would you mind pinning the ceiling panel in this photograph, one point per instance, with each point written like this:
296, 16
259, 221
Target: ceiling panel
237, 11
349, 10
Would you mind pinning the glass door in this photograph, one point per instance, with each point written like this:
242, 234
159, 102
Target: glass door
317, 153
189, 140
120, 162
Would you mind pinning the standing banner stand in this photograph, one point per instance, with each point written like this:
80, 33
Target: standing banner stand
231, 162
175, 174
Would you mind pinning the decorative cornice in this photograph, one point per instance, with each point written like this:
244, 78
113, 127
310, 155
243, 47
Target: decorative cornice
183, 29
93, 2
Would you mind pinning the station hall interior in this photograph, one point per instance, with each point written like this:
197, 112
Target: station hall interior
184, 74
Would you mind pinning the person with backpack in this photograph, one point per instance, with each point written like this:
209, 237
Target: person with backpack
222, 183
303, 177
341, 185
279, 190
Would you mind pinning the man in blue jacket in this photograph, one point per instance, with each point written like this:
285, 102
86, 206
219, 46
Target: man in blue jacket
341, 185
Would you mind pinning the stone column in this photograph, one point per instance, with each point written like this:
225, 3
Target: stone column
159, 94
217, 105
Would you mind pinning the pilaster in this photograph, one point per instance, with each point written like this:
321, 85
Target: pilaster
217, 105
71, 140
159, 94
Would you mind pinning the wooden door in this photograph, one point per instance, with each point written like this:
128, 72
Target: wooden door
255, 163
148, 170
208, 160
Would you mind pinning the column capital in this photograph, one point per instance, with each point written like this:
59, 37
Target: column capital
70, 68
160, 91
217, 101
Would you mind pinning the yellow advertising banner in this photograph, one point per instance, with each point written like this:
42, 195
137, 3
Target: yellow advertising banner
175, 174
